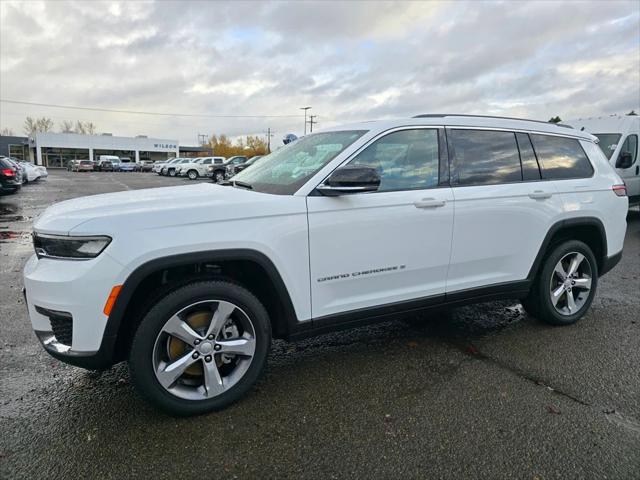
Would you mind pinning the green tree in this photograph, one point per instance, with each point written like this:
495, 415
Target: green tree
555, 119
632, 113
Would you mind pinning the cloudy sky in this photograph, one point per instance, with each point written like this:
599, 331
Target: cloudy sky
349, 61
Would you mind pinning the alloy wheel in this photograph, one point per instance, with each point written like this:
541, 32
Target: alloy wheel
204, 350
570, 284
219, 176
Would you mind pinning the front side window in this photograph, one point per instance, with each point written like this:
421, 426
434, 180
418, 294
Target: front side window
630, 146
287, 169
561, 157
608, 143
405, 160
484, 157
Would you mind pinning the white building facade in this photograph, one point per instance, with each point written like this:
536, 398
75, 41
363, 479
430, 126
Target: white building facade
57, 149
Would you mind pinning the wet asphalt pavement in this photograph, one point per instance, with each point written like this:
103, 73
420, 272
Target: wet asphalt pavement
483, 392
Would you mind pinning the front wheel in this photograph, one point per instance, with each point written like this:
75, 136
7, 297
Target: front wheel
218, 177
565, 286
192, 174
172, 172
200, 348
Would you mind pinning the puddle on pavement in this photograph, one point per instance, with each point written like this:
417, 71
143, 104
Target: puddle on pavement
8, 214
12, 235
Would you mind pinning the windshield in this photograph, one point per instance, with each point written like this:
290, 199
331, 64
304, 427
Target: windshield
287, 169
608, 142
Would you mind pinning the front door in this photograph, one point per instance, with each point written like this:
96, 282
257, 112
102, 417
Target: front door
389, 246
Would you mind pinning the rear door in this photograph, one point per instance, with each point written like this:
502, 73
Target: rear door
389, 246
631, 175
502, 207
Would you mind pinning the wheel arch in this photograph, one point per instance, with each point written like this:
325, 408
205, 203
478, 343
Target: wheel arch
250, 268
589, 230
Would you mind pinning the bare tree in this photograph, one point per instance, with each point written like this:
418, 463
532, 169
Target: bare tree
37, 125
67, 127
6, 132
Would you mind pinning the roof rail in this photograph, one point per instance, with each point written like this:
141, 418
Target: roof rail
438, 115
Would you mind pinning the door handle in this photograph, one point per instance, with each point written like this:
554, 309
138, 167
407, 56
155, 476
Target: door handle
429, 203
540, 195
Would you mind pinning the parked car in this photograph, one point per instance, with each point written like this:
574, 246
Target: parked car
157, 167
82, 166
9, 182
248, 163
146, 166
105, 163
200, 167
170, 168
21, 173
353, 225
126, 165
70, 165
618, 137
232, 163
31, 172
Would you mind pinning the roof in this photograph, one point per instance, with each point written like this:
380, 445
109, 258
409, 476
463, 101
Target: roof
458, 120
622, 124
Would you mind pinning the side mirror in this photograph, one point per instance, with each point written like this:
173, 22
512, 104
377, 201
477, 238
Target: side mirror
350, 179
625, 160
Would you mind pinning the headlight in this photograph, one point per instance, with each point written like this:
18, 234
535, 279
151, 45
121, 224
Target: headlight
210, 168
72, 248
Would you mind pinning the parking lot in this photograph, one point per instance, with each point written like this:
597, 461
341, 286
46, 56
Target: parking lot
482, 392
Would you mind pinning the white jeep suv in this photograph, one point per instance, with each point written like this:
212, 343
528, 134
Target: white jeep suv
340, 228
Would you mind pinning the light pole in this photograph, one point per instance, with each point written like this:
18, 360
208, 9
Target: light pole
305, 118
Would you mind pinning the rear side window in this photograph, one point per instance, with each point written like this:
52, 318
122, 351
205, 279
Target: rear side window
561, 157
530, 168
484, 157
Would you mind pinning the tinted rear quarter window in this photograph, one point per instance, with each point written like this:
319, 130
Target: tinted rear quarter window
484, 157
561, 157
530, 168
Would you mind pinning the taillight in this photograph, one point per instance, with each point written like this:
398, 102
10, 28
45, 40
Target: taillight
8, 172
620, 190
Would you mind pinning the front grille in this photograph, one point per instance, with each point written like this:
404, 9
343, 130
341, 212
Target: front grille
61, 324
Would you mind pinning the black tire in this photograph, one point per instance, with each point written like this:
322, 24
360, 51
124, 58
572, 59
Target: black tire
140, 355
171, 172
192, 174
539, 304
218, 176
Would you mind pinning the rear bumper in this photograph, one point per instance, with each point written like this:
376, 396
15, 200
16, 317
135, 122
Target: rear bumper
610, 262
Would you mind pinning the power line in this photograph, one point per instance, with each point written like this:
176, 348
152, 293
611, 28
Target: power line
136, 112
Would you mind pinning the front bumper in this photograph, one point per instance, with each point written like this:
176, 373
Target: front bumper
77, 291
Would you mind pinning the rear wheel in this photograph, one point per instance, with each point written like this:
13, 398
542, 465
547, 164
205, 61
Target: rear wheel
565, 286
172, 172
200, 348
192, 174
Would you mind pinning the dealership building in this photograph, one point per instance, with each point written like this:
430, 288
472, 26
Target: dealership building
56, 150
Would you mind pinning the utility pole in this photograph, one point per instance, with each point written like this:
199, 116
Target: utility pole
202, 138
305, 118
269, 135
312, 121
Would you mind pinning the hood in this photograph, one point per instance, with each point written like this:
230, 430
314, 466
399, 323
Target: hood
113, 213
